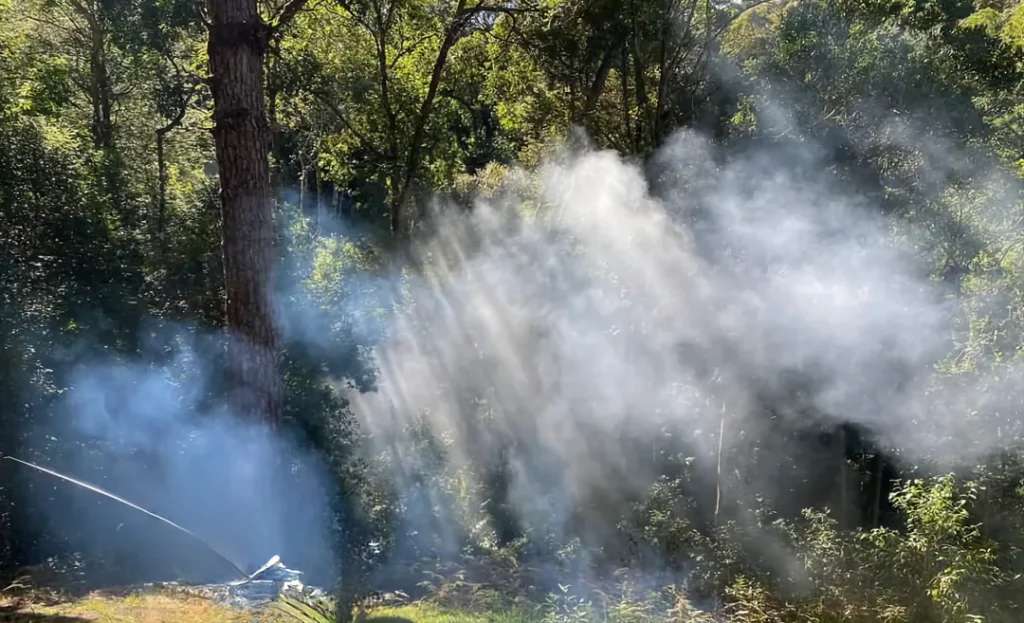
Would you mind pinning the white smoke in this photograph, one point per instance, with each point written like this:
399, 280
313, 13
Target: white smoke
578, 322
149, 429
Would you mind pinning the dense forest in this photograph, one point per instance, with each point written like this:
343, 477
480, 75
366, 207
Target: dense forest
535, 310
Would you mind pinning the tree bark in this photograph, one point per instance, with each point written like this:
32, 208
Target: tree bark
237, 47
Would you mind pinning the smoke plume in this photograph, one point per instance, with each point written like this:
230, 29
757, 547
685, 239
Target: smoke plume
149, 429
572, 334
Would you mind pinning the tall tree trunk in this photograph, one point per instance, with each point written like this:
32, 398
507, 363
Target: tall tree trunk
100, 92
236, 48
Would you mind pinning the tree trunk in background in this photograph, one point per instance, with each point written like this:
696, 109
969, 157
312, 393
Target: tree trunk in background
96, 29
161, 168
161, 180
627, 123
597, 86
100, 93
318, 199
657, 130
303, 185
844, 496
237, 46
642, 102
876, 505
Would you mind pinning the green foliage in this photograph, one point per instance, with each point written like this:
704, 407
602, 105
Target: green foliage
952, 566
939, 567
661, 525
567, 607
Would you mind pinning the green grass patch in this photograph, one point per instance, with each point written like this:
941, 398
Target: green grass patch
149, 607
429, 613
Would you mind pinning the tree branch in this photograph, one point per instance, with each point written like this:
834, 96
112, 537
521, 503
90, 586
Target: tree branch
740, 13
325, 100
286, 15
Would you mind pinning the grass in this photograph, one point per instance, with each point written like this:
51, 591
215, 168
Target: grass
156, 607
161, 606
427, 613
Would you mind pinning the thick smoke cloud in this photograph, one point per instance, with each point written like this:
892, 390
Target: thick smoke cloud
574, 326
